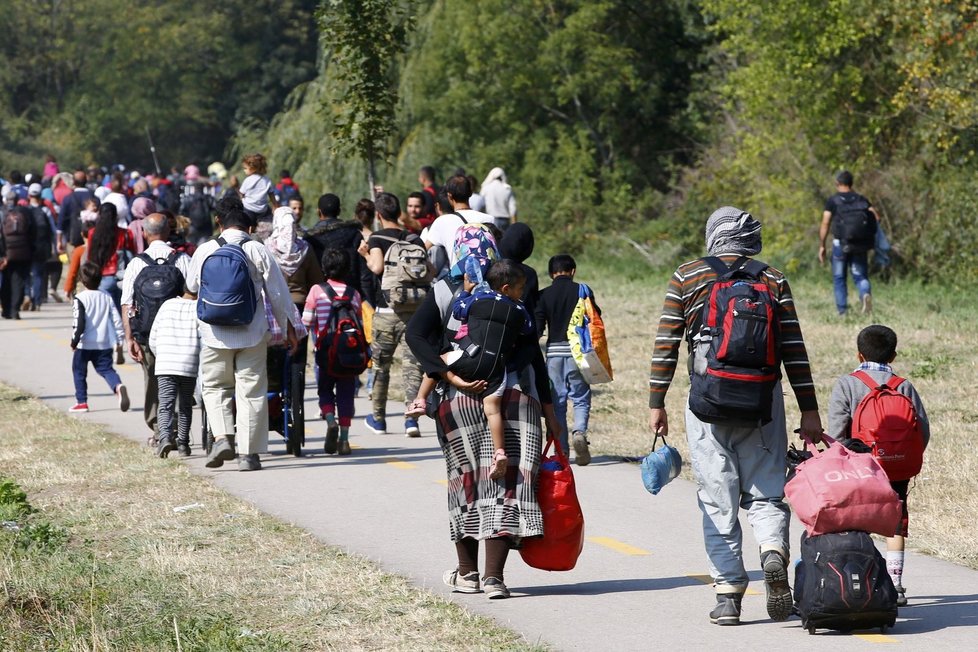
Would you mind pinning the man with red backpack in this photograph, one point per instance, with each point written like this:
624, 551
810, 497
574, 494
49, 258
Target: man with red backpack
740, 321
874, 410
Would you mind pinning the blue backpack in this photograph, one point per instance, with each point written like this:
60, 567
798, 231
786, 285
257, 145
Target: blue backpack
227, 294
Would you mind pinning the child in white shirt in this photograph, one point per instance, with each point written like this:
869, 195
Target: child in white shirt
255, 188
175, 341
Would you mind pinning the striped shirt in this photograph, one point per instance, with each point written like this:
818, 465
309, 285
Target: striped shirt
175, 338
318, 308
688, 289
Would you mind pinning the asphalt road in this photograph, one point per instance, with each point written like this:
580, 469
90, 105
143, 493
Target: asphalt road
641, 582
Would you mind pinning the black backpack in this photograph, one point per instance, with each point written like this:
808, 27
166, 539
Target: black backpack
854, 225
199, 207
842, 583
735, 347
155, 284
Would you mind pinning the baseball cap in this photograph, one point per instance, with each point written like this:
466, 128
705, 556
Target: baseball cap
34, 190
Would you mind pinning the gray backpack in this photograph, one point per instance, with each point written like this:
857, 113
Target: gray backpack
407, 276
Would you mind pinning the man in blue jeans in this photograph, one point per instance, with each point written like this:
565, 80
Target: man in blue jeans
553, 313
854, 222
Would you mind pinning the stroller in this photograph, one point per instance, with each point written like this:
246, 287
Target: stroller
286, 393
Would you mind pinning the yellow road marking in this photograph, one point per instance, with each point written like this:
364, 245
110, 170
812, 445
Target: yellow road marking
706, 579
401, 464
877, 638
47, 336
618, 546
443, 483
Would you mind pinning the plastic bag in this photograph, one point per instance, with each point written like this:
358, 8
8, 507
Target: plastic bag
660, 466
563, 520
586, 335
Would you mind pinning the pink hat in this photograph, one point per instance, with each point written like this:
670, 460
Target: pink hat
191, 173
142, 207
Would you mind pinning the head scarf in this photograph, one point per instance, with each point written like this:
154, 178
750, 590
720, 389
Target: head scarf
284, 244
732, 231
142, 207
475, 249
494, 174
517, 242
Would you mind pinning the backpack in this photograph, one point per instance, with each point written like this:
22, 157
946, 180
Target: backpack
227, 294
341, 346
43, 235
17, 234
155, 284
406, 279
735, 347
841, 583
886, 421
285, 192
854, 226
199, 207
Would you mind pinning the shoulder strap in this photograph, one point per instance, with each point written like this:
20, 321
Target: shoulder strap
384, 237
172, 258
894, 382
221, 241
464, 221
146, 259
866, 379
716, 265
755, 267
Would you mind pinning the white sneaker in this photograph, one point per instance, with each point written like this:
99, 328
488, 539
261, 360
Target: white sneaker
462, 583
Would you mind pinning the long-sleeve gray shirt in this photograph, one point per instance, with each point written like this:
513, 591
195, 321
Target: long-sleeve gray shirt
849, 391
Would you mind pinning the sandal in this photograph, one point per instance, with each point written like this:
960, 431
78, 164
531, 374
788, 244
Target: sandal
418, 408
499, 464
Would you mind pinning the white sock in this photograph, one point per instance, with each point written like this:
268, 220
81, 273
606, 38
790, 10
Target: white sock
894, 566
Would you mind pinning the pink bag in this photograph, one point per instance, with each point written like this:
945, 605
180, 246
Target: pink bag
839, 490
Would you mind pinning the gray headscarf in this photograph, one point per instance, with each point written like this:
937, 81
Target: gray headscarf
732, 231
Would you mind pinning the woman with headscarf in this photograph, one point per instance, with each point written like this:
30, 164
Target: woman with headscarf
498, 512
141, 207
499, 198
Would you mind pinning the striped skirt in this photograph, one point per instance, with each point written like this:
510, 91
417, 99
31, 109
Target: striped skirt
478, 507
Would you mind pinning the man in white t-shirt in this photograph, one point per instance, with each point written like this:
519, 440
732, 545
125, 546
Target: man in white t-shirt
441, 233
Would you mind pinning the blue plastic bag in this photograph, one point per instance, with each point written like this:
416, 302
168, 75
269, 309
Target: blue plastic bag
660, 467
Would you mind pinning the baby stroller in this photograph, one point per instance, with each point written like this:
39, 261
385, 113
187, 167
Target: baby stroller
286, 391
286, 394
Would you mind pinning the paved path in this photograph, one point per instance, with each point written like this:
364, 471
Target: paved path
640, 584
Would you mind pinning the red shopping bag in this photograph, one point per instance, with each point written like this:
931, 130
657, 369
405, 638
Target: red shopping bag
839, 490
563, 520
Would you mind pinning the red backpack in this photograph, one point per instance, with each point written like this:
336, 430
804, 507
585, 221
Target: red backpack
886, 421
343, 351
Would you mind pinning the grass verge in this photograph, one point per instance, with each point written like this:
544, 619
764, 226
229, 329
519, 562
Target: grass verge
95, 558
937, 334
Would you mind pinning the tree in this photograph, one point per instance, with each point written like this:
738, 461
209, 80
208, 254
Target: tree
364, 39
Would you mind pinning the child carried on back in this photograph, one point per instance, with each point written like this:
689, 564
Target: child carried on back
904, 427
492, 319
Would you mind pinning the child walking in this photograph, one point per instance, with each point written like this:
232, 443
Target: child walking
492, 319
335, 394
553, 314
95, 332
876, 346
175, 341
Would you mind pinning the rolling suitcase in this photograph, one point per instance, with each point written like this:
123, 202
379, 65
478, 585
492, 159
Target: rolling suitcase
842, 584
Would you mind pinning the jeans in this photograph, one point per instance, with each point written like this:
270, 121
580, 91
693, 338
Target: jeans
857, 265
39, 277
336, 394
101, 359
567, 383
740, 468
110, 284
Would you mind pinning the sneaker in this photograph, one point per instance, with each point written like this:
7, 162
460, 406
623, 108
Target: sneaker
123, 398
344, 448
462, 583
377, 426
411, 428
249, 463
25, 305
495, 589
867, 304
727, 610
582, 456
221, 452
332, 434
183, 450
779, 602
164, 447
901, 596
57, 297
79, 407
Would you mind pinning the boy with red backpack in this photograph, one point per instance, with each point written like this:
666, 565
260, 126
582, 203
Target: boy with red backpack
874, 410
333, 310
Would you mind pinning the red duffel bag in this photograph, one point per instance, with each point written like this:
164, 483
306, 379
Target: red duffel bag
563, 520
839, 490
